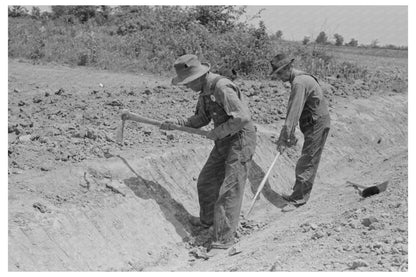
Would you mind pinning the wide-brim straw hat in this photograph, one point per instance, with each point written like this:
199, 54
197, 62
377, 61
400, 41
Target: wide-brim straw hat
279, 62
188, 68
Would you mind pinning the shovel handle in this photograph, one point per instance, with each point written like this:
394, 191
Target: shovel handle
126, 115
262, 184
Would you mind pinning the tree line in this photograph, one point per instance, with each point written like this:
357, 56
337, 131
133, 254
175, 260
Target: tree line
323, 39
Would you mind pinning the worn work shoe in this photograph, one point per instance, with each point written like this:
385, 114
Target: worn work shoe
195, 221
292, 205
289, 208
219, 245
219, 248
287, 198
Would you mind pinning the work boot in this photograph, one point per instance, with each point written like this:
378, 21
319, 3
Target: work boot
220, 245
292, 205
219, 248
195, 221
287, 198
289, 208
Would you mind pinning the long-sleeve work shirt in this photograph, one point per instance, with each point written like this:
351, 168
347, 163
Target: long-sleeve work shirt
306, 103
221, 101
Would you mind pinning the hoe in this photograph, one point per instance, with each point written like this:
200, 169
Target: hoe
126, 115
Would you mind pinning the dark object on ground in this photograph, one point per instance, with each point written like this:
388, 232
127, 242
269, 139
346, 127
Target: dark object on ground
369, 191
375, 189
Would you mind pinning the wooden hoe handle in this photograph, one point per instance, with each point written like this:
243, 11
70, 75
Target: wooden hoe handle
126, 115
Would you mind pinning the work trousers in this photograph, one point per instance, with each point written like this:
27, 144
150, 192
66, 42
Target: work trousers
221, 183
315, 135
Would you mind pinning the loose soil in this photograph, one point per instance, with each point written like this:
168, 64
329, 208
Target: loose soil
78, 201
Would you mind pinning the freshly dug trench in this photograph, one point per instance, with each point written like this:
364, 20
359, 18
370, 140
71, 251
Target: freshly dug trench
124, 213
129, 213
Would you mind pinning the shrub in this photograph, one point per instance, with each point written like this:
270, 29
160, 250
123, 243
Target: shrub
17, 11
129, 38
217, 18
276, 36
35, 13
339, 40
322, 38
353, 43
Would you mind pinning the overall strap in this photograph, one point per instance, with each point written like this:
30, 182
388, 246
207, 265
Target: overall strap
214, 84
316, 79
308, 74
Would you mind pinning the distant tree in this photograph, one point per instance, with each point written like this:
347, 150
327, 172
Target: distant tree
218, 18
374, 43
105, 11
132, 19
322, 38
395, 47
353, 43
102, 14
17, 11
306, 40
276, 36
83, 13
260, 35
339, 40
260, 32
59, 11
45, 15
35, 13
79, 13
64, 13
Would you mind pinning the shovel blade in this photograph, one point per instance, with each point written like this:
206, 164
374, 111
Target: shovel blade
375, 189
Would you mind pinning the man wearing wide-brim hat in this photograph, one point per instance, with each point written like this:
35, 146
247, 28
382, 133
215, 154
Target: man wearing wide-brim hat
221, 182
307, 106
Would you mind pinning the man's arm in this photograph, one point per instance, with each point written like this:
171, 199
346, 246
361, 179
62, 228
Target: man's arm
200, 118
294, 110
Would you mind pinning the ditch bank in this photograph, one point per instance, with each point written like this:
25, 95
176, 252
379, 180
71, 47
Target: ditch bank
129, 212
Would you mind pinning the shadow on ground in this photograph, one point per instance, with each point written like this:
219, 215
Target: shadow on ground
176, 213
173, 211
255, 177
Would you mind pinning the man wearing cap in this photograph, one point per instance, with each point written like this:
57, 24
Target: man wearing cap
222, 180
308, 106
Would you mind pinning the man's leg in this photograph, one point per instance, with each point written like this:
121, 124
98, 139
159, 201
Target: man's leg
307, 165
228, 205
208, 185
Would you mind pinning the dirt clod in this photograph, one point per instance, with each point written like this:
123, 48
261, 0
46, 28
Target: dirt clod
318, 235
40, 207
367, 221
358, 263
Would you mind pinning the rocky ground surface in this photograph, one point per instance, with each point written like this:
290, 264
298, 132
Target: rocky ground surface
67, 115
59, 117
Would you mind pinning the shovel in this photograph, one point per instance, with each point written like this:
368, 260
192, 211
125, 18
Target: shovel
365, 191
